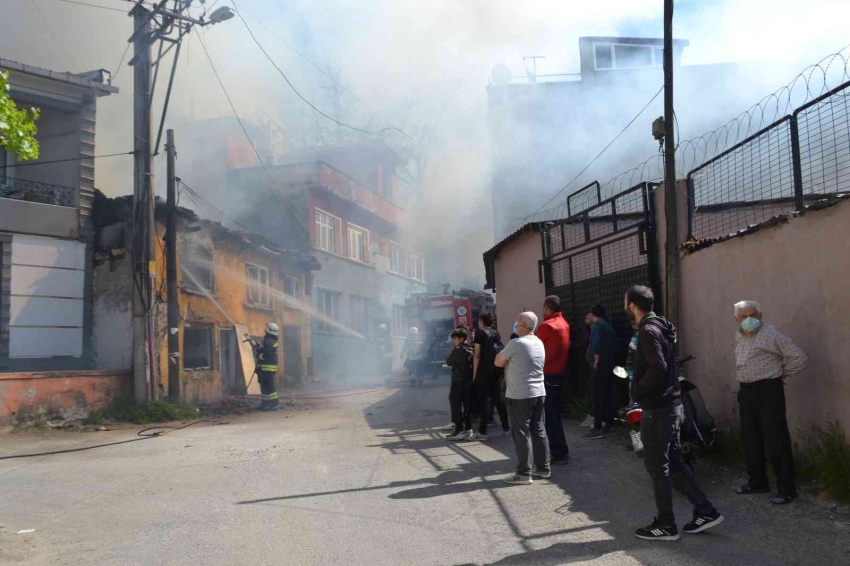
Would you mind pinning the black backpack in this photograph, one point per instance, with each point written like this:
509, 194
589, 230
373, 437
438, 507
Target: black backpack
492, 346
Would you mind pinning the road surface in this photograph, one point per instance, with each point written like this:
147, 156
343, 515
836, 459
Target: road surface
367, 479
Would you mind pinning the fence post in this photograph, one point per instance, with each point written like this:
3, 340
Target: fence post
799, 205
691, 205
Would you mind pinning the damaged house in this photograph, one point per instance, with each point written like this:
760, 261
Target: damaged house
231, 285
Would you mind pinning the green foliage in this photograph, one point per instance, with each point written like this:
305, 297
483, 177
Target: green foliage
823, 456
95, 418
575, 408
17, 125
150, 412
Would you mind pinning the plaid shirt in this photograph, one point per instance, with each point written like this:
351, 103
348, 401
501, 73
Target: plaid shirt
768, 354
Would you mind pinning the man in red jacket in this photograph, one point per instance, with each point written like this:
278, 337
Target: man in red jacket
554, 332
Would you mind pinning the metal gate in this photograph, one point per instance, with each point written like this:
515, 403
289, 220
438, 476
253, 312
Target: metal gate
597, 253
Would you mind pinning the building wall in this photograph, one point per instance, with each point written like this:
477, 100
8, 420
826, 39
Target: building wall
112, 333
798, 272
67, 395
517, 285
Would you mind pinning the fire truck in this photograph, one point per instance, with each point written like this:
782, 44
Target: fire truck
437, 315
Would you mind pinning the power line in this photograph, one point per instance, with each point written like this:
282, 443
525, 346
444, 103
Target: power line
94, 6
310, 104
598, 155
201, 201
248, 137
16, 165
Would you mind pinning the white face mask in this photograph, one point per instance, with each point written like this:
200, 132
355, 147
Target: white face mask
750, 324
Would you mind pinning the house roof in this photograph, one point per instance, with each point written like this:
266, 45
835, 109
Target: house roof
92, 79
491, 254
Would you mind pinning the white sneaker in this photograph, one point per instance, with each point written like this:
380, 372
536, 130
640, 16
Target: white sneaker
458, 436
468, 435
479, 436
517, 479
448, 428
542, 475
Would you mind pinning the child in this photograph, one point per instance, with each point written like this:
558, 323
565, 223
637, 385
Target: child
460, 360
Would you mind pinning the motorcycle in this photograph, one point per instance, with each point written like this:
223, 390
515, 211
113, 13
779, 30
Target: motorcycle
698, 432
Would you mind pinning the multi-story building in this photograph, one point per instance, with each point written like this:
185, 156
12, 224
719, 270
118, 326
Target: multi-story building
342, 202
46, 248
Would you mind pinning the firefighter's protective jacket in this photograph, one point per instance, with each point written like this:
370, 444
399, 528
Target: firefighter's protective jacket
267, 354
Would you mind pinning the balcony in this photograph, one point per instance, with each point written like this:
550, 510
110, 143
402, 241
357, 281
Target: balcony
32, 191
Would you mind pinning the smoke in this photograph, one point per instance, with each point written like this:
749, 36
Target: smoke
423, 67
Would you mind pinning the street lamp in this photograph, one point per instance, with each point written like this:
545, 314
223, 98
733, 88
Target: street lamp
221, 15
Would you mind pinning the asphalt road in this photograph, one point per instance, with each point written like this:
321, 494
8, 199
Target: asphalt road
367, 479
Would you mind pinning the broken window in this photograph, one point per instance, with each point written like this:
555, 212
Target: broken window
292, 286
258, 285
196, 257
197, 347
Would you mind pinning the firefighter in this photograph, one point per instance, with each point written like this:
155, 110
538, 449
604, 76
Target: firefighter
266, 358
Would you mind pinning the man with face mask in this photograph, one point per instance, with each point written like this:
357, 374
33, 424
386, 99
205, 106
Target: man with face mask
656, 388
764, 357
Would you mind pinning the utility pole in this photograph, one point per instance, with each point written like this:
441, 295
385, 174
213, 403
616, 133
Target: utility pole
144, 372
171, 270
671, 209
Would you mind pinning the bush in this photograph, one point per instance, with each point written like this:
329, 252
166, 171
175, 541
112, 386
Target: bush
575, 408
150, 412
823, 456
95, 418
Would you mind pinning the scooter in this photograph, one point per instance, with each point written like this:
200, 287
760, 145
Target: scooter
698, 432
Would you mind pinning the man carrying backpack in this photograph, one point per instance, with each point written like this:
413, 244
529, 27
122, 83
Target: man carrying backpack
487, 378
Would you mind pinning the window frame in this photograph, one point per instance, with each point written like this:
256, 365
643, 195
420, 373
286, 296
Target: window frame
615, 67
394, 247
296, 286
319, 227
188, 250
410, 263
364, 233
336, 308
359, 321
193, 328
399, 324
262, 288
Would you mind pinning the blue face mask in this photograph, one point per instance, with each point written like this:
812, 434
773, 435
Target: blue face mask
750, 324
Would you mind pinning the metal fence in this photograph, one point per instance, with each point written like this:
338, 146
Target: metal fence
797, 159
33, 191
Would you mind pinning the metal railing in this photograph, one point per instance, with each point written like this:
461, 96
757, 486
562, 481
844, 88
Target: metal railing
797, 159
33, 191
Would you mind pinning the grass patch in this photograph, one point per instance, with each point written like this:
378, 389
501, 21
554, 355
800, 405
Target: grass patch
37, 425
728, 449
149, 412
823, 457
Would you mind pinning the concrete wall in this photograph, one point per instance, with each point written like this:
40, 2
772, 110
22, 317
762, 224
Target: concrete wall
799, 273
68, 395
517, 285
112, 331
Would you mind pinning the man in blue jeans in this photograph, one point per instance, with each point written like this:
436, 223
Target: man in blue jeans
656, 388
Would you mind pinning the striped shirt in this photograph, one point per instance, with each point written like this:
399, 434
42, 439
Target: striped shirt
767, 354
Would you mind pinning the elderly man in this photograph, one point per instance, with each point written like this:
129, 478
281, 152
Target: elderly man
764, 356
524, 358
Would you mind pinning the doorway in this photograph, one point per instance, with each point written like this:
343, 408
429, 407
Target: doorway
232, 382
292, 353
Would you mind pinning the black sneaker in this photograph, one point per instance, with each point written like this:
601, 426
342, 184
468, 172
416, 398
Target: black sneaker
702, 522
655, 531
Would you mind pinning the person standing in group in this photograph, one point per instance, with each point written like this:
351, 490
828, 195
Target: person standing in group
460, 360
656, 388
524, 358
554, 332
600, 358
486, 377
764, 357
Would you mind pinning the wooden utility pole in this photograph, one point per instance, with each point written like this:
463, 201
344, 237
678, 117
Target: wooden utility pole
671, 212
171, 272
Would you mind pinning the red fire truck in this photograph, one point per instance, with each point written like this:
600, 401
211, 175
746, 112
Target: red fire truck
437, 315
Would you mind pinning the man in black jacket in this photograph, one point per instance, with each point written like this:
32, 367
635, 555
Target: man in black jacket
656, 388
460, 393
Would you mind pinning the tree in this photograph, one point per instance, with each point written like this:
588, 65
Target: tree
17, 125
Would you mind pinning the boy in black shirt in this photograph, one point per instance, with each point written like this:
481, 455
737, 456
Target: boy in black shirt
460, 360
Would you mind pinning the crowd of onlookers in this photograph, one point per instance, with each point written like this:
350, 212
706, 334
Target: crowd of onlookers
524, 381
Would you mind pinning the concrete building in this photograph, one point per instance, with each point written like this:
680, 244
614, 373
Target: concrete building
546, 128
341, 202
46, 250
231, 283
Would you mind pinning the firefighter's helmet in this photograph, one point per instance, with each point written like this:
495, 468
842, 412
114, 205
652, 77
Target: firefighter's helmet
273, 329
413, 331
383, 327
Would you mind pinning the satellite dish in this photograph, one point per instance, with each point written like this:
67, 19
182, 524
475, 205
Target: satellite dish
501, 74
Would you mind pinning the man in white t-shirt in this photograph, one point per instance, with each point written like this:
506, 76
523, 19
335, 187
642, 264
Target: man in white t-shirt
523, 360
